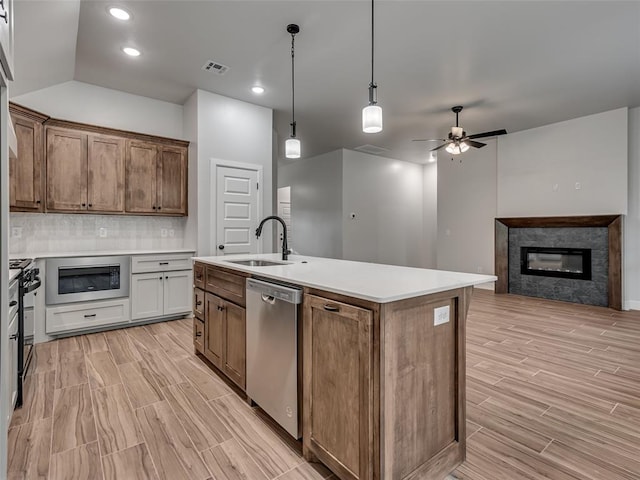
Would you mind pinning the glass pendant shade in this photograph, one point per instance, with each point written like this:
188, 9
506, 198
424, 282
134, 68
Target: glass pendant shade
292, 148
372, 119
457, 148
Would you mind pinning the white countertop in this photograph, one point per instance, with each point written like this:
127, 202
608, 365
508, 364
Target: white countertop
36, 255
13, 273
368, 281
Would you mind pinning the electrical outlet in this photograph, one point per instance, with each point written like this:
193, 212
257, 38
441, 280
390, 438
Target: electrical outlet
102, 232
480, 270
16, 232
172, 233
441, 315
163, 232
555, 187
578, 186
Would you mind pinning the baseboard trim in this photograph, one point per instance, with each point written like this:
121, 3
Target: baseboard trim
632, 305
492, 286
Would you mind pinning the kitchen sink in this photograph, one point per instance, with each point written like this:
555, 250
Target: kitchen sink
256, 263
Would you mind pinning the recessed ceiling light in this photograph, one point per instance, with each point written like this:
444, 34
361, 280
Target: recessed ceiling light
119, 13
132, 52
257, 89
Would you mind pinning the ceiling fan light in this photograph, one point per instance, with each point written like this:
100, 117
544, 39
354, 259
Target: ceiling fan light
463, 147
456, 148
372, 119
292, 148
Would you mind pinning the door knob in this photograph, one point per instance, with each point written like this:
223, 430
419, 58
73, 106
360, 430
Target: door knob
220, 247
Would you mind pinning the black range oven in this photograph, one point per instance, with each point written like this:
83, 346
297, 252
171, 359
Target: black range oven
28, 281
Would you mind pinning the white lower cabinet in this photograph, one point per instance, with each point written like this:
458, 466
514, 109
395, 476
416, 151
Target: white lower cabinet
160, 294
86, 315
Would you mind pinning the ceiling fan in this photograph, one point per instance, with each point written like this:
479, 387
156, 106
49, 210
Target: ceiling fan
458, 141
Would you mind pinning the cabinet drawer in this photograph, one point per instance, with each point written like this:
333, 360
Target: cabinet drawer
198, 303
84, 316
198, 334
226, 285
198, 275
160, 263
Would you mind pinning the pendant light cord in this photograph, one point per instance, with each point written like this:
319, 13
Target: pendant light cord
372, 43
293, 87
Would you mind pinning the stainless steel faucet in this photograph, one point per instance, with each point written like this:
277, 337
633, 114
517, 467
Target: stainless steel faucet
285, 246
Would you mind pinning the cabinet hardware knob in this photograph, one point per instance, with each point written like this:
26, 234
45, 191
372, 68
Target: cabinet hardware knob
159, 208
166, 278
13, 337
331, 308
220, 308
13, 303
154, 207
220, 247
4, 16
163, 263
38, 202
198, 334
84, 204
90, 315
90, 205
160, 278
199, 303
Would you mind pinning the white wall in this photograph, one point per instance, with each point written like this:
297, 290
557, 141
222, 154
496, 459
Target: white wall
86, 103
230, 130
316, 204
430, 215
591, 151
467, 209
386, 197
632, 220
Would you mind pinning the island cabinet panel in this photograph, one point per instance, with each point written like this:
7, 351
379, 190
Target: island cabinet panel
224, 318
384, 386
214, 330
338, 386
26, 172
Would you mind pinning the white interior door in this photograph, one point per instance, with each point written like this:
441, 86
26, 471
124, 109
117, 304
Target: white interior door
236, 210
284, 212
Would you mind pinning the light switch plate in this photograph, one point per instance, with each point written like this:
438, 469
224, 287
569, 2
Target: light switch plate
441, 315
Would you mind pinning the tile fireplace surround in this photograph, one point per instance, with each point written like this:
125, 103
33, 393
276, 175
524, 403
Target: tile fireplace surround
603, 233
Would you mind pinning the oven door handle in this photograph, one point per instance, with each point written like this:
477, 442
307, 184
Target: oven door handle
33, 286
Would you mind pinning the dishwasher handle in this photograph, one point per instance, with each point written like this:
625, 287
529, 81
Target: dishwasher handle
270, 299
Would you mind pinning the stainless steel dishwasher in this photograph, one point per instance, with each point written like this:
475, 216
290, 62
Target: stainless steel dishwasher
272, 350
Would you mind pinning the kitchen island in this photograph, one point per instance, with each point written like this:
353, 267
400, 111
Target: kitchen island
382, 361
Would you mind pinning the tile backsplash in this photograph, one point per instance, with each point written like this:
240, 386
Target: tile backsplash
32, 233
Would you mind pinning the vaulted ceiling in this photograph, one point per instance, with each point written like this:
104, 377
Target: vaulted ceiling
513, 64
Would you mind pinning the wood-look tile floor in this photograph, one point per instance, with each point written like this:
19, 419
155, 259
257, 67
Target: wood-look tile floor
136, 404
553, 392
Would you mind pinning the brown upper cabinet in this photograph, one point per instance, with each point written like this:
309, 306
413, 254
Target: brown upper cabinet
85, 171
71, 167
26, 173
156, 178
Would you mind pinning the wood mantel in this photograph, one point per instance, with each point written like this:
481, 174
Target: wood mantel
612, 222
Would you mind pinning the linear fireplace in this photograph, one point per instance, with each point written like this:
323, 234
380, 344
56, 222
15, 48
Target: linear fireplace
556, 262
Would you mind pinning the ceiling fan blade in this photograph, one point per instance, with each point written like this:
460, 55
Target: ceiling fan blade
441, 146
473, 143
494, 133
429, 140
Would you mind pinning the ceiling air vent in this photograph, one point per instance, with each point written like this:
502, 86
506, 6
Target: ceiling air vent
215, 67
372, 149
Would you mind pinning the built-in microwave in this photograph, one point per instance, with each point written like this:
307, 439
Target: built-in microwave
82, 279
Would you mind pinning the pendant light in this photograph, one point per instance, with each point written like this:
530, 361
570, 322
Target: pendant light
292, 145
372, 113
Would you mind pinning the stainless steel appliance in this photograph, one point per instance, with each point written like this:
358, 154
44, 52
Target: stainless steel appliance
272, 350
28, 282
82, 279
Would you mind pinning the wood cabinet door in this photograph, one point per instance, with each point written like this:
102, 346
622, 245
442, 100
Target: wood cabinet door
141, 177
26, 172
198, 334
338, 388
235, 353
105, 173
172, 180
146, 295
214, 330
66, 170
198, 303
